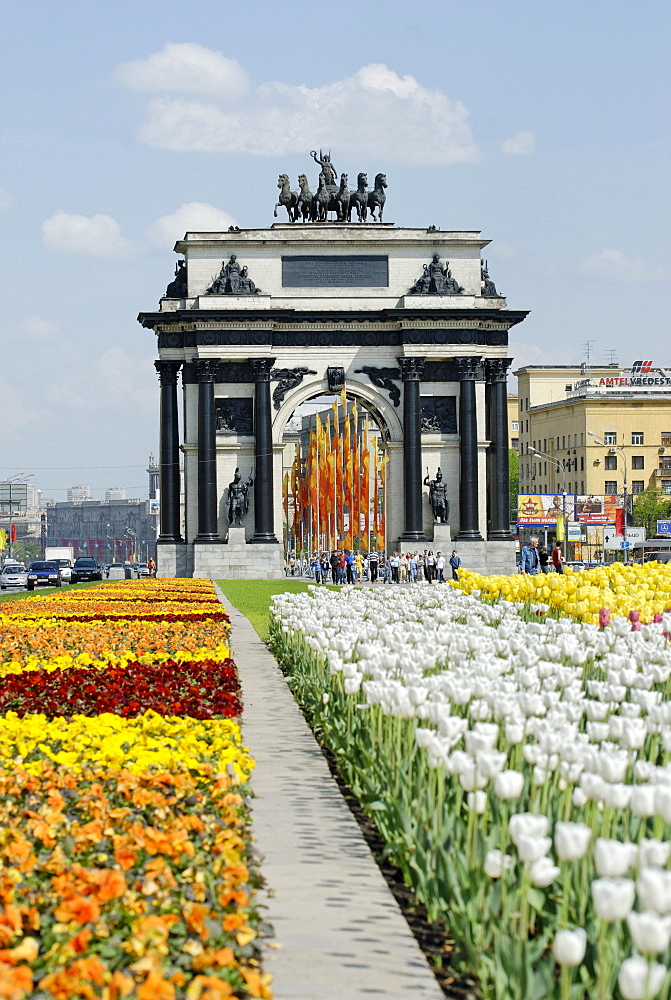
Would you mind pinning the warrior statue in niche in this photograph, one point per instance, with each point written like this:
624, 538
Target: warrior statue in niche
238, 498
440, 505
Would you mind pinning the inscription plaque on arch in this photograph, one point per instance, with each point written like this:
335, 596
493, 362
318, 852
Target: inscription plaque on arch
360, 271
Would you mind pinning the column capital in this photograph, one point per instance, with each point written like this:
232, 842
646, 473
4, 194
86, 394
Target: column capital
261, 368
412, 369
469, 369
207, 369
167, 371
496, 369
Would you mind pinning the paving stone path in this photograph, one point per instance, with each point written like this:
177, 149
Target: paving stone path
342, 933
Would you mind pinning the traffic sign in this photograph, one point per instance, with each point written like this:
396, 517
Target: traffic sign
611, 540
625, 545
664, 527
636, 536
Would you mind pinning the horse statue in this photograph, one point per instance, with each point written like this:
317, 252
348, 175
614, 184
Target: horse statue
304, 200
321, 200
359, 199
342, 199
377, 197
288, 198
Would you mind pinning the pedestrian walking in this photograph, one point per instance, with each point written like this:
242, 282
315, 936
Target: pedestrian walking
440, 567
529, 560
342, 567
455, 563
151, 566
334, 561
373, 562
325, 567
412, 567
430, 566
557, 558
349, 566
395, 562
544, 559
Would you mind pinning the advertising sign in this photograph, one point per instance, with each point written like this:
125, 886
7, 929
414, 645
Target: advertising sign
595, 509
643, 376
543, 508
573, 533
664, 527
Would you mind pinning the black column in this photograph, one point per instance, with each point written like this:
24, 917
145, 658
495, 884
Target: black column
470, 371
206, 371
496, 402
264, 519
169, 452
411, 373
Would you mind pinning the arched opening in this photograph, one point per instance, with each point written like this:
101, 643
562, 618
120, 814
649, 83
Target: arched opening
335, 477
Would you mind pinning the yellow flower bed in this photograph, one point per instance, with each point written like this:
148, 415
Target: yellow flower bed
621, 589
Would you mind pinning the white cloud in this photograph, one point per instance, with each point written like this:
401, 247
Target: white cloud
195, 216
375, 112
521, 144
615, 266
38, 329
19, 411
82, 235
185, 68
5, 200
110, 380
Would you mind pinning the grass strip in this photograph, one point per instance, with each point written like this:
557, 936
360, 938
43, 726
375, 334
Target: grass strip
252, 598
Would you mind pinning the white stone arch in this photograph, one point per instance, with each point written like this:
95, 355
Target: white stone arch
379, 404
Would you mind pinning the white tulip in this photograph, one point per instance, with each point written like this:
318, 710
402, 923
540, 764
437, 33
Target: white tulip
543, 872
638, 979
477, 802
491, 762
613, 897
496, 863
532, 848
527, 824
650, 933
617, 796
579, 798
654, 887
509, 784
351, 684
514, 732
569, 947
643, 800
571, 840
663, 802
654, 852
613, 858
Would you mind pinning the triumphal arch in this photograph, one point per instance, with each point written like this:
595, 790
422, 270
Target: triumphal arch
406, 322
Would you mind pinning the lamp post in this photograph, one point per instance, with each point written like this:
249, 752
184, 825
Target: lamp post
130, 533
562, 470
617, 449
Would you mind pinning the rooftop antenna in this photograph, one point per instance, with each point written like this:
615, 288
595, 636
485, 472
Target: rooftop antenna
587, 348
611, 356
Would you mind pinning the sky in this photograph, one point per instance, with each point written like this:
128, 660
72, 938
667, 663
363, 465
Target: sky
543, 125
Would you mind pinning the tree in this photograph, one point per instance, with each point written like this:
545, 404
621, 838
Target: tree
26, 550
514, 465
649, 507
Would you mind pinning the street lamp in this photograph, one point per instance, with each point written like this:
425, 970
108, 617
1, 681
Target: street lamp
130, 533
617, 449
562, 470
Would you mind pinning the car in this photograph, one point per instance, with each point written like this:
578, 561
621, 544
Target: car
13, 575
141, 569
84, 569
661, 557
66, 569
43, 573
575, 564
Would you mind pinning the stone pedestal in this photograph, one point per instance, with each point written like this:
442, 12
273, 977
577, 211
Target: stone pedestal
207, 560
442, 539
171, 559
489, 558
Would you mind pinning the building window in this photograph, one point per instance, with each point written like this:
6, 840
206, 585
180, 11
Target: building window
515, 443
582, 486
638, 461
545, 444
666, 439
557, 444
582, 463
527, 426
533, 445
611, 463
516, 425
664, 463
582, 439
637, 437
610, 437
610, 487
637, 486
666, 486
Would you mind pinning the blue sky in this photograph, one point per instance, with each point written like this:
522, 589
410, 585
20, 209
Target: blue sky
544, 125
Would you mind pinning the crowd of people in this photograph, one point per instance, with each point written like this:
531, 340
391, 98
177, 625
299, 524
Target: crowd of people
345, 566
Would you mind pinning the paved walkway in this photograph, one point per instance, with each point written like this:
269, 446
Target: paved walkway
343, 936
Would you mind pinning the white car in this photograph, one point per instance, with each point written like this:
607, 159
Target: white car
13, 575
66, 569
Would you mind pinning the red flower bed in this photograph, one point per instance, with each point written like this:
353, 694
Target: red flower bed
201, 690
186, 616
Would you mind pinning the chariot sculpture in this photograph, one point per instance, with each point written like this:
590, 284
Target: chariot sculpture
331, 198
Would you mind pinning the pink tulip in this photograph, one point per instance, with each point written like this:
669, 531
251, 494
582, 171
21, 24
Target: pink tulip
657, 617
636, 627
634, 616
604, 617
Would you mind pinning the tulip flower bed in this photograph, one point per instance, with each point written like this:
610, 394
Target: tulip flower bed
642, 589
124, 853
519, 772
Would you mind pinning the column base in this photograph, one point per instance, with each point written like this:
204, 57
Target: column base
264, 538
470, 535
169, 540
208, 540
500, 536
413, 536
171, 559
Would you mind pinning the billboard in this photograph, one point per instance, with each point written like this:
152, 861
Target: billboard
595, 509
543, 508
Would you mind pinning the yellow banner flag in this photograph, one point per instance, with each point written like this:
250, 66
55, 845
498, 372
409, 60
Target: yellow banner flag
559, 533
